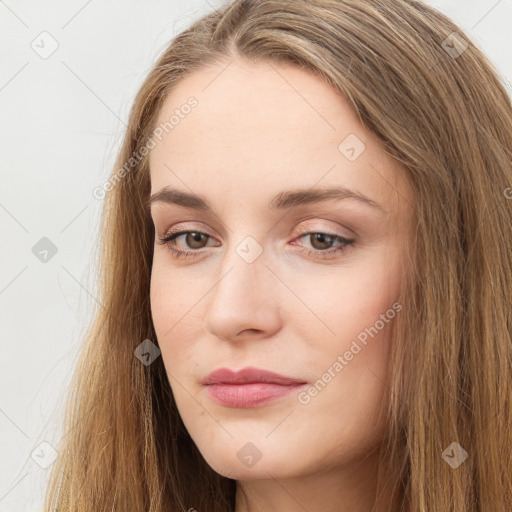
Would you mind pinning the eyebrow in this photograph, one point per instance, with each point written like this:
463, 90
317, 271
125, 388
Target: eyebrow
283, 200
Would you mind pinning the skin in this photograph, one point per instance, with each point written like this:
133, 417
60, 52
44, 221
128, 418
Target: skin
260, 129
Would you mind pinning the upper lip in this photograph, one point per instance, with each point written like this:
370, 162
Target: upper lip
248, 375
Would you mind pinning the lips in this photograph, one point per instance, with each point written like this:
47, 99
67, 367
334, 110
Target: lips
250, 387
249, 375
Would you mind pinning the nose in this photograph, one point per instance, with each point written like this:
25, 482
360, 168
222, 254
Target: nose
244, 302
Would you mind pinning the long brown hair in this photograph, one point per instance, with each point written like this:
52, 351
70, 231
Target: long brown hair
440, 109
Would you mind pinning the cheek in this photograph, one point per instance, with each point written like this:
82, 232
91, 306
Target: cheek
171, 296
160, 297
167, 307
350, 339
338, 304
177, 318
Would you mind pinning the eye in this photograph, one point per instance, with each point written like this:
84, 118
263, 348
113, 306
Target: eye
321, 242
193, 239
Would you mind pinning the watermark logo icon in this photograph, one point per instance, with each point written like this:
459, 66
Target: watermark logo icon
455, 455
454, 45
146, 352
351, 147
44, 250
249, 455
45, 45
249, 249
44, 455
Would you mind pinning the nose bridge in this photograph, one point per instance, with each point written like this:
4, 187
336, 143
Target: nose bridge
243, 272
244, 294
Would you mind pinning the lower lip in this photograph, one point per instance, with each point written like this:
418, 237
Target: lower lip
249, 395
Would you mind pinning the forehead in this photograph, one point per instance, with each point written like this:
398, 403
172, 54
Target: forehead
261, 127
242, 104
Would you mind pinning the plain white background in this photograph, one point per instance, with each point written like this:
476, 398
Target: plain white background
63, 117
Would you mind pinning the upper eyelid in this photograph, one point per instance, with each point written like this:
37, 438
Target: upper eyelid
304, 230
185, 229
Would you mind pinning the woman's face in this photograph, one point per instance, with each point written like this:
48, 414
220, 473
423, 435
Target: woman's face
268, 283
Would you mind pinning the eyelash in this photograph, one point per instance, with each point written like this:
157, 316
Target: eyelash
169, 242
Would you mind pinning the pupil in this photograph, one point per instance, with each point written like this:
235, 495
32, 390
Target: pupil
196, 238
323, 238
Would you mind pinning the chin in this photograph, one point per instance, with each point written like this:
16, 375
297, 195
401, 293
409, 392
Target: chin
244, 461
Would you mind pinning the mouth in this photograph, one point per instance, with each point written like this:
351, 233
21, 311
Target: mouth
250, 387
